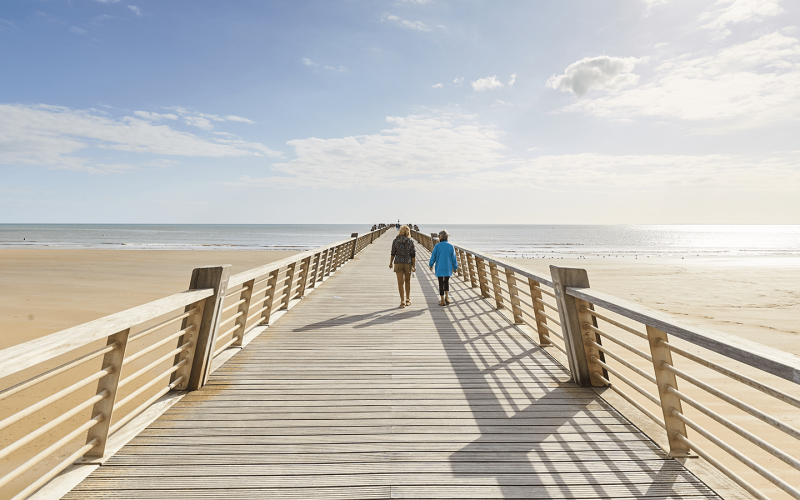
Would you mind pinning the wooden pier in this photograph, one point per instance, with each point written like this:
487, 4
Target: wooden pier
349, 396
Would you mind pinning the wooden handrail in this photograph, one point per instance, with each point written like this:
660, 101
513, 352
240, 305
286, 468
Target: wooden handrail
778, 363
19, 357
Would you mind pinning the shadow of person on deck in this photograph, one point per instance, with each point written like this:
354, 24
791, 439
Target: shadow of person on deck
375, 318
539, 434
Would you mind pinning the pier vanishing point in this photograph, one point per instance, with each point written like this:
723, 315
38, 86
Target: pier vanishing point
303, 379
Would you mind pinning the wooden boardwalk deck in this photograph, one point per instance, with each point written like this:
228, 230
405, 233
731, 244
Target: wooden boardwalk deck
348, 396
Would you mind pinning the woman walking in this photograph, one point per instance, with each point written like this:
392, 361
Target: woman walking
444, 256
404, 258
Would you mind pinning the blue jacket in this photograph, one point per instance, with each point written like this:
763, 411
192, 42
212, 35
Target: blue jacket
444, 256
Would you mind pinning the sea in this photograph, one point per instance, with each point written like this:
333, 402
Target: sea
502, 240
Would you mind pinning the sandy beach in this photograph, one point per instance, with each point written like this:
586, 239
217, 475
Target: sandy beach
45, 291
757, 298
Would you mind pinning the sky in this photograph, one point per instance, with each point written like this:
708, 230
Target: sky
360, 111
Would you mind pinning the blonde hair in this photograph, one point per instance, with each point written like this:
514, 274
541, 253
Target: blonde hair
405, 231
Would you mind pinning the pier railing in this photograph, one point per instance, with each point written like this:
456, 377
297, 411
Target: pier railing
101, 375
628, 348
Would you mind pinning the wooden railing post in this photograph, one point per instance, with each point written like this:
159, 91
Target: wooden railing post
185, 358
465, 266
215, 277
301, 290
289, 285
107, 384
472, 278
498, 292
538, 312
669, 401
460, 270
244, 309
579, 350
355, 240
513, 294
272, 282
312, 281
323, 264
483, 281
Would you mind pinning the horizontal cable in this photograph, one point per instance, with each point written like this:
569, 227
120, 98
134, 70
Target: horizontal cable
734, 402
618, 341
722, 468
223, 347
257, 313
553, 344
52, 424
766, 474
168, 322
644, 392
237, 292
235, 304
130, 397
55, 397
231, 319
130, 416
552, 319
547, 327
131, 378
736, 428
32, 462
57, 370
56, 470
624, 362
632, 401
546, 304
614, 322
546, 292
755, 384
155, 346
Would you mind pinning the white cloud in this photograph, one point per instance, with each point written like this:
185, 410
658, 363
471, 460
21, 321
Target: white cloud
601, 72
458, 80
420, 2
745, 85
155, 116
488, 83
425, 151
198, 121
309, 62
512, 80
53, 136
661, 45
737, 11
412, 25
75, 29
437, 86
136, 10
234, 118
420, 146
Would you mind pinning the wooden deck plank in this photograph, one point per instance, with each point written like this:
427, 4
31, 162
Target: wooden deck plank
348, 396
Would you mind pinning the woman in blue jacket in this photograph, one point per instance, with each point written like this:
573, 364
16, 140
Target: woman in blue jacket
444, 256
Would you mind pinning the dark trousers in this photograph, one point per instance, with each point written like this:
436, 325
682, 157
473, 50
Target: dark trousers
444, 284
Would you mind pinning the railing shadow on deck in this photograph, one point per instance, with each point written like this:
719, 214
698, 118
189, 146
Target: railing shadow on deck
495, 410
177, 341
598, 332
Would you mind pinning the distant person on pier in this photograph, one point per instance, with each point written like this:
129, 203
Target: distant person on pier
404, 259
444, 257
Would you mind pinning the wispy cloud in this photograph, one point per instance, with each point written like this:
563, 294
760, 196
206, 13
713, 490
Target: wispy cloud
512, 80
458, 80
737, 11
412, 25
155, 116
602, 72
437, 86
136, 10
75, 29
422, 151
451, 142
203, 120
309, 62
746, 85
488, 83
54, 136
